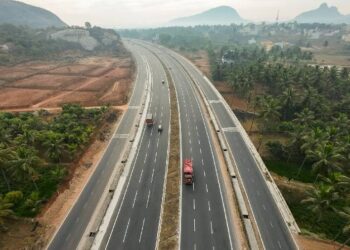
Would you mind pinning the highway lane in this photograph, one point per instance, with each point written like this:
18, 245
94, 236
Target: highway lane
72, 229
272, 227
204, 221
135, 222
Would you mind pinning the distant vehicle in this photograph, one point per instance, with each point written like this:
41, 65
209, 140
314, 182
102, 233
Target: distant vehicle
160, 128
163, 81
149, 120
188, 174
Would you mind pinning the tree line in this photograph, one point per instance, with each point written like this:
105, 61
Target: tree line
36, 151
308, 104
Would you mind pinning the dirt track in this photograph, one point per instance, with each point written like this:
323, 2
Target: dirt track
92, 81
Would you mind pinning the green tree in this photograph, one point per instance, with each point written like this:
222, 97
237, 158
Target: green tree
55, 146
321, 199
327, 158
6, 156
270, 111
345, 214
5, 210
25, 165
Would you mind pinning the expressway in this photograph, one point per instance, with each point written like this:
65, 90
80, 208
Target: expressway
205, 217
71, 231
134, 224
272, 227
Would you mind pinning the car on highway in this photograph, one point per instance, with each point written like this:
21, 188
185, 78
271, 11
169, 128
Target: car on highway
160, 128
163, 81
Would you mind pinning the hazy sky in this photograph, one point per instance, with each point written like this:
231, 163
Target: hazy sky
143, 13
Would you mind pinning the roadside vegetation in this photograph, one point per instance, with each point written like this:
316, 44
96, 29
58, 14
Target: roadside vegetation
37, 151
303, 106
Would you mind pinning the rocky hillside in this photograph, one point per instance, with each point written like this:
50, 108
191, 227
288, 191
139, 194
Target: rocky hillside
18, 13
89, 39
220, 15
323, 14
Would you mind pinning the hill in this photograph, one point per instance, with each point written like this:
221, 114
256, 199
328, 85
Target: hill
18, 13
323, 14
219, 15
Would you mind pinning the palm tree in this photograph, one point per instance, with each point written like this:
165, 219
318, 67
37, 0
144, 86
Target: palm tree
5, 210
55, 146
28, 136
305, 117
269, 110
314, 137
346, 229
6, 155
288, 102
25, 165
344, 185
58, 172
5, 137
321, 199
295, 139
327, 158
342, 122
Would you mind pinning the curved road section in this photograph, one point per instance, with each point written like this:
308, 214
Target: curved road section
72, 229
273, 230
205, 219
135, 222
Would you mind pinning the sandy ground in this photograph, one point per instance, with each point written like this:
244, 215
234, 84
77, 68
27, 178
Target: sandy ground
200, 59
92, 81
308, 243
54, 212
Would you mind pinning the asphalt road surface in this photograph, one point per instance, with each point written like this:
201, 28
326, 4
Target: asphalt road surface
135, 222
205, 221
272, 227
71, 231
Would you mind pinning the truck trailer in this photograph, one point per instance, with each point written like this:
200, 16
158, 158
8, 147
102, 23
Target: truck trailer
149, 119
188, 174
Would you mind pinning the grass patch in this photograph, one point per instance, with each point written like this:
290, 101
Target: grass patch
290, 170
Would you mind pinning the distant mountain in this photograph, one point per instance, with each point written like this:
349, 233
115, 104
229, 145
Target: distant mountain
18, 13
215, 16
323, 14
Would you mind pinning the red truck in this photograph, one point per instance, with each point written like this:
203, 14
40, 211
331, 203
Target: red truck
188, 174
149, 119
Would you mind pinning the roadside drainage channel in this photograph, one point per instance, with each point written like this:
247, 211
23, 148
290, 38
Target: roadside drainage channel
120, 175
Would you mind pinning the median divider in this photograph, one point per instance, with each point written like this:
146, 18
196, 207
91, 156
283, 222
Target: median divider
116, 185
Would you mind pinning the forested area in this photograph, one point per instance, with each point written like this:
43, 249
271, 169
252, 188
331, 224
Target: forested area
309, 105
36, 153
